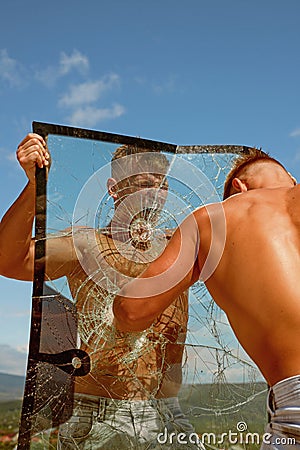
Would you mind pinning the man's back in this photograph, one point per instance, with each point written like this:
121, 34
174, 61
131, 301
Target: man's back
256, 281
247, 251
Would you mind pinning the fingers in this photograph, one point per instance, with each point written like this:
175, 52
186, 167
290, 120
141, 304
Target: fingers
32, 136
32, 151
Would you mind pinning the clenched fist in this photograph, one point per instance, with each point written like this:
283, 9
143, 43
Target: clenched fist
32, 151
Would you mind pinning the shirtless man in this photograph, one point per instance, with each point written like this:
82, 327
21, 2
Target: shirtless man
247, 251
130, 395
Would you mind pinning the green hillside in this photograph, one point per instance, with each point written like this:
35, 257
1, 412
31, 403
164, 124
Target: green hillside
9, 423
221, 407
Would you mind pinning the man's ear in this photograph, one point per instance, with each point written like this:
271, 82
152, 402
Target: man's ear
112, 187
239, 185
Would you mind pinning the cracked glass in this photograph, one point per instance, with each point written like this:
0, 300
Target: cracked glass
105, 210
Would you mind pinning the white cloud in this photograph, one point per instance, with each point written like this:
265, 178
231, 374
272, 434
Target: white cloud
23, 348
89, 91
80, 99
295, 133
47, 76
12, 361
67, 63
75, 61
89, 116
11, 70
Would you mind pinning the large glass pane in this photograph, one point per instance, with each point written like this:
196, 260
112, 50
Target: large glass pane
107, 207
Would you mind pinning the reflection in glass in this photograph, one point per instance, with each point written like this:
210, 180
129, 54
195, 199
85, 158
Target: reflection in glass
112, 204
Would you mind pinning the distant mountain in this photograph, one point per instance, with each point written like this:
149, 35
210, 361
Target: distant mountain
11, 387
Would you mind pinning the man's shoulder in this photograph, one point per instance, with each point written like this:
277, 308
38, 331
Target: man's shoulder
262, 202
208, 212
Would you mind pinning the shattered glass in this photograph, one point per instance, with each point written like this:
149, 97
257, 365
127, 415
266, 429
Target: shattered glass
112, 219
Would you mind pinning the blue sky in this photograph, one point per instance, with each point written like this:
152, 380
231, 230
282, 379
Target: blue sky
193, 72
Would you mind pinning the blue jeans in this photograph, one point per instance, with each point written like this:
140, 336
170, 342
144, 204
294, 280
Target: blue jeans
283, 430
109, 424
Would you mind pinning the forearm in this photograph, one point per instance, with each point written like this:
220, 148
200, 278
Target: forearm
143, 300
16, 231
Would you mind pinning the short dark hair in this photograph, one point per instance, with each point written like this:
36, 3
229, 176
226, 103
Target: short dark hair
254, 155
157, 163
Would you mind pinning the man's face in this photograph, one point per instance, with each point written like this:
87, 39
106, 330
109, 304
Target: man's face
143, 192
138, 202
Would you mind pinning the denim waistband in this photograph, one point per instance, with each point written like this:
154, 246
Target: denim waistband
284, 407
285, 393
110, 404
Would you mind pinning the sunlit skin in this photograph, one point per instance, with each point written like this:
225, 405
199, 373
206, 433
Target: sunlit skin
158, 370
257, 279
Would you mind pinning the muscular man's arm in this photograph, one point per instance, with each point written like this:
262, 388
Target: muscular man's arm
141, 301
16, 243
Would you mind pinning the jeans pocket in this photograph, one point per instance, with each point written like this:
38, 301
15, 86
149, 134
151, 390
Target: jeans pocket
77, 427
